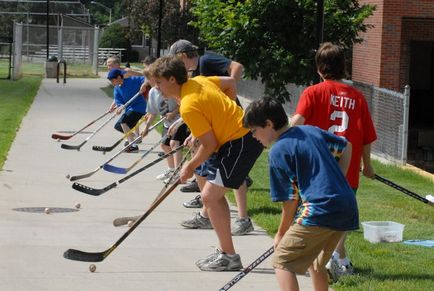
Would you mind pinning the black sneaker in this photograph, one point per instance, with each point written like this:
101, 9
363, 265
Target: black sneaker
191, 187
132, 149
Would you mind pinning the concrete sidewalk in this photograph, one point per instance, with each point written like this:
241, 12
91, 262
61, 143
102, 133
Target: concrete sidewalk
158, 255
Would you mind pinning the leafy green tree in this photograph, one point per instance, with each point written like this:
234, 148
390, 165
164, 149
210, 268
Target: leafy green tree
115, 36
145, 13
275, 39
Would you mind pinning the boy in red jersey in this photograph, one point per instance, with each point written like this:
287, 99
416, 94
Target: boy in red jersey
341, 109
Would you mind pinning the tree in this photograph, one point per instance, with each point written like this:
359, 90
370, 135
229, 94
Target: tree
114, 36
275, 39
144, 16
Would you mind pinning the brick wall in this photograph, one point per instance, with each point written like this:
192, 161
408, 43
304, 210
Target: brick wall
383, 58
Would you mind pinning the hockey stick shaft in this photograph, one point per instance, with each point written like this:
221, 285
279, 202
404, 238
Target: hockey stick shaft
247, 270
65, 137
77, 255
78, 177
118, 170
109, 148
403, 190
77, 147
69, 147
97, 192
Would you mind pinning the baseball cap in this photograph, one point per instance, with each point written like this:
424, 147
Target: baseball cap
182, 46
114, 73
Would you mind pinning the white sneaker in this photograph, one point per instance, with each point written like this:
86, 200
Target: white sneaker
165, 175
333, 270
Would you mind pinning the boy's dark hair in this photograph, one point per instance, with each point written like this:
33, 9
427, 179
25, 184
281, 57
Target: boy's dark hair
257, 113
170, 66
149, 60
330, 61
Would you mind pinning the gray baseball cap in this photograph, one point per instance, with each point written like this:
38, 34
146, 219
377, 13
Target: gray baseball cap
182, 46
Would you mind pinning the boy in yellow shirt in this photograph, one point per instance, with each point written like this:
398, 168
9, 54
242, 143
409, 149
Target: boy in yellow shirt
228, 148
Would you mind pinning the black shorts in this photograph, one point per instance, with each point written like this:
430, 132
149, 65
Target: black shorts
130, 118
180, 135
232, 163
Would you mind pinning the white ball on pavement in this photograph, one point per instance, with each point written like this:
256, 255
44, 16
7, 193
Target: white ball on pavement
47, 210
77, 205
130, 223
92, 268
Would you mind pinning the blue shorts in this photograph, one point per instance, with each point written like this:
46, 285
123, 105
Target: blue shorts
232, 163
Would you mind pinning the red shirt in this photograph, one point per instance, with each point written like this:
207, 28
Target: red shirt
342, 110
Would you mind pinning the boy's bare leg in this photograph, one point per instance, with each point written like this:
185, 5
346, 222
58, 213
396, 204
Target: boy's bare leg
213, 197
170, 162
178, 155
319, 279
126, 129
287, 280
241, 199
340, 248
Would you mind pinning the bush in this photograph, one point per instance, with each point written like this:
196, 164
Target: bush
114, 36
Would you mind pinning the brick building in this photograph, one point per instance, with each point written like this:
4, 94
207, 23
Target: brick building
397, 51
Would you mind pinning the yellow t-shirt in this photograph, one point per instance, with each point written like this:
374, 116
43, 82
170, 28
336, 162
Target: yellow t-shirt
205, 107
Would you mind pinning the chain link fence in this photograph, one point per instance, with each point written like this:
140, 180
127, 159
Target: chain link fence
389, 111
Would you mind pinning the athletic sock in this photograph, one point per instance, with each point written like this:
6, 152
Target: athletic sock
335, 255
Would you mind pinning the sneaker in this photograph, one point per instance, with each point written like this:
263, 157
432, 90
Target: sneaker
346, 269
191, 187
249, 181
333, 270
198, 221
165, 175
196, 202
242, 226
222, 262
209, 258
132, 149
171, 179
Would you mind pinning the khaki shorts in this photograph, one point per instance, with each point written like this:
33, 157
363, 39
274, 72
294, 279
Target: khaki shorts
303, 246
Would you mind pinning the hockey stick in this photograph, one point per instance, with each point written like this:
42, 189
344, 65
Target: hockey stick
247, 270
97, 192
78, 177
65, 137
78, 255
403, 190
118, 170
77, 147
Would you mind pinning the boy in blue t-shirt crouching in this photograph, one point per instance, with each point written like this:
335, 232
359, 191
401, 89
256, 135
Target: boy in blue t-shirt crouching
307, 174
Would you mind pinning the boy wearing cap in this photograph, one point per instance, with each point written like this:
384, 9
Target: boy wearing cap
318, 205
212, 64
228, 148
124, 90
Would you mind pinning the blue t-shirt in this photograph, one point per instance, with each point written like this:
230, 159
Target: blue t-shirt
212, 64
127, 91
303, 166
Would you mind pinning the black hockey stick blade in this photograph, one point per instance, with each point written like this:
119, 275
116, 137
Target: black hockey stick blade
247, 270
93, 191
72, 147
403, 190
107, 149
87, 175
124, 220
77, 255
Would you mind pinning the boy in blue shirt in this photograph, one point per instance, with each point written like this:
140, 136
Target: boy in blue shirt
125, 89
318, 205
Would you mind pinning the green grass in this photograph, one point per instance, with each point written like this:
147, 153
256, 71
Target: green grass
15, 100
382, 266
72, 70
